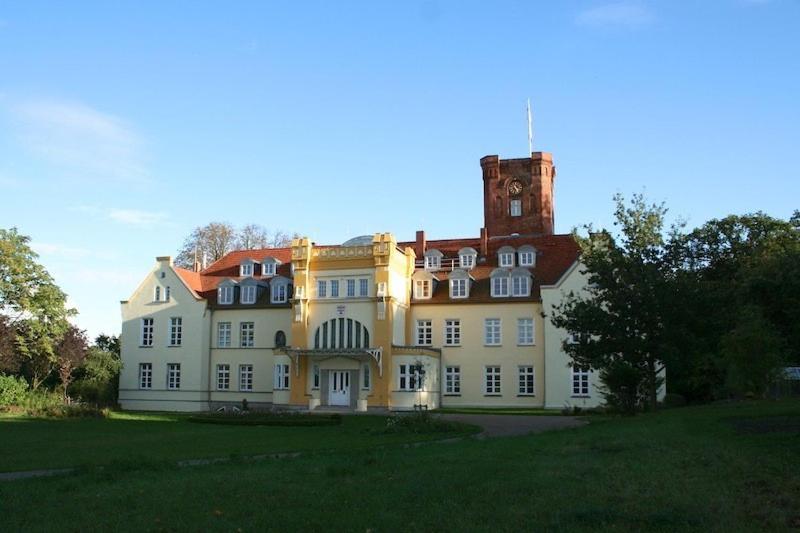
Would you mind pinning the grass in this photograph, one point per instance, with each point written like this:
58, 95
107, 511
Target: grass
725, 467
29, 444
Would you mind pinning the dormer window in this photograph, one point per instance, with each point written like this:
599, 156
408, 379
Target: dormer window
246, 269
279, 290
467, 258
422, 289
225, 294
520, 282
505, 257
433, 260
526, 256
267, 269
500, 283
248, 294
459, 284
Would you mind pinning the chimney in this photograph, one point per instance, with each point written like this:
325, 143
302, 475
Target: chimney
421, 245
484, 242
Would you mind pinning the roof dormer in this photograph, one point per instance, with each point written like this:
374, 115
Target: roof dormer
460, 282
269, 267
521, 281
467, 258
433, 259
505, 257
279, 290
250, 290
500, 279
526, 256
424, 283
247, 268
225, 292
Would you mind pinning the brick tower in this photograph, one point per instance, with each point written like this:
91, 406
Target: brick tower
518, 195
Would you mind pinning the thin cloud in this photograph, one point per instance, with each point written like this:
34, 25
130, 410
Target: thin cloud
130, 217
83, 139
617, 14
69, 252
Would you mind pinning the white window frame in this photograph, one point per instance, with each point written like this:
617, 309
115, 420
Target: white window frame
404, 379
363, 287
579, 378
148, 331
526, 259
422, 289
173, 376
225, 295
425, 332
458, 288
223, 376
167, 294
268, 268
248, 294
452, 380
351, 288
282, 381
520, 286
334, 288
526, 382
492, 332
322, 288
515, 208
506, 259
246, 270
452, 332
224, 334
247, 332
366, 377
526, 331
500, 285
433, 262
466, 261
492, 380
279, 293
175, 331
145, 375
246, 377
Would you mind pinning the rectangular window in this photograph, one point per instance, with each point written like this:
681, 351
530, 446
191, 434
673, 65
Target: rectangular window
351, 288
147, 332
167, 294
366, 381
519, 286
174, 376
506, 259
492, 376
315, 383
525, 259
267, 269
458, 288
246, 377
279, 293
247, 334
452, 332
526, 380
466, 261
145, 375
580, 381
524, 331
224, 335
500, 286
246, 269
281, 376
248, 294
223, 377
432, 262
422, 289
452, 380
410, 378
424, 332
516, 208
322, 286
175, 331
334, 288
491, 332
363, 287
404, 378
225, 295
157, 294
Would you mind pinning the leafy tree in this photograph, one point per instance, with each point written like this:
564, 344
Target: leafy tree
70, 353
97, 379
617, 325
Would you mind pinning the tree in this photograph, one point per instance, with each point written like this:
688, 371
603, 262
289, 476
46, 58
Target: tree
97, 379
211, 242
617, 325
70, 353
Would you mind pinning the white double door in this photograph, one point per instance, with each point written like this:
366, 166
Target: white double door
339, 388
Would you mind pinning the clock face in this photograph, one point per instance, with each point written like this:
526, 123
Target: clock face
515, 187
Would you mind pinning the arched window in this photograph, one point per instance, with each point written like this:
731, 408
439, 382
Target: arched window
341, 333
280, 339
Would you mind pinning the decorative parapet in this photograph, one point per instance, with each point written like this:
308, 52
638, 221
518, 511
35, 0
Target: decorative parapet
416, 350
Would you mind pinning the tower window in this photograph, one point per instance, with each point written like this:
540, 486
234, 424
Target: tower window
516, 208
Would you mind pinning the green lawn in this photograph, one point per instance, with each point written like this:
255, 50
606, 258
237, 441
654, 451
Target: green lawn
731, 467
29, 444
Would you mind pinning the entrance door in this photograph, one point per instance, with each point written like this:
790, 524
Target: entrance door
339, 392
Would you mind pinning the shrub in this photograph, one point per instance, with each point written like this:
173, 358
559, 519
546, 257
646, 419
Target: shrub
419, 422
13, 390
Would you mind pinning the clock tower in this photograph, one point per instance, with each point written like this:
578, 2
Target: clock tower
518, 195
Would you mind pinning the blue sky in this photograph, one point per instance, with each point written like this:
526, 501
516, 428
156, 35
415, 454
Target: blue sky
123, 126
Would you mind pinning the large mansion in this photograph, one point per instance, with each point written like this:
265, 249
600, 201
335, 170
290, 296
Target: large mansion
372, 322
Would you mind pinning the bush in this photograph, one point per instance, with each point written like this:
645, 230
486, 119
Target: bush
674, 400
250, 418
419, 422
13, 390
